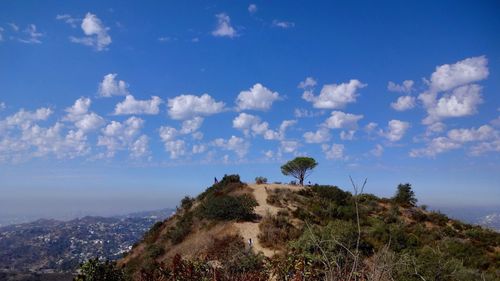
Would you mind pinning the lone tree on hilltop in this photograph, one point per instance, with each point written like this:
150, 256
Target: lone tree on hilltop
405, 195
299, 168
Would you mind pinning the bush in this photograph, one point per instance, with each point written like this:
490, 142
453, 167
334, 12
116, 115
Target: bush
276, 231
332, 193
95, 270
405, 195
187, 203
226, 185
260, 180
153, 233
153, 251
225, 207
181, 229
437, 218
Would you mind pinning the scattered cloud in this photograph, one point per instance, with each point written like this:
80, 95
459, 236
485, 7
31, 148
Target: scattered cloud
304, 113
81, 117
451, 92
223, 27
341, 120
347, 135
132, 106
110, 86
395, 131
14, 26
257, 98
238, 145
308, 83
320, 136
120, 135
289, 146
334, 151
377, 151
404, 103
2, 106
96, 33
73, 22
405, 87
335, 96
252, 9
283, 24
191, 125
33, 36
188, 106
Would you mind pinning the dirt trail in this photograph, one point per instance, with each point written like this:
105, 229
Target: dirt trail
250, 230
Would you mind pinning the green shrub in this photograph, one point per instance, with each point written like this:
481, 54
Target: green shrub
405, 195
225, 207
187, 203
153, 251
181, 229
332, 193
95, 270
260, 180
226, 185
438, 218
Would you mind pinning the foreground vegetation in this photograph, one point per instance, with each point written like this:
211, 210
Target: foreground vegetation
320, 233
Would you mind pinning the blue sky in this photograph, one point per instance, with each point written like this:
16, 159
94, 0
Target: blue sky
111, 106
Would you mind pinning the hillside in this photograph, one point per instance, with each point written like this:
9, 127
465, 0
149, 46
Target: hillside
309, 233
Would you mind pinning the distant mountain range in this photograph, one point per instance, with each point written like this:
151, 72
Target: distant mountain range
60, 246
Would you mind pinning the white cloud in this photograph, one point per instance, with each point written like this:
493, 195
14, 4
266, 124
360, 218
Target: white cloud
377, 151
224, 28
14, 26
257, 98
132, 106
235, 144
33, 35
459, 97
2, 106
252, 8
73, 22
289, 146
176, 148
304, 113
120, 135
495, 122
283, 24
481, 148
96, 33
168, 133
347, 135
371, 127
110, 86
139, 148
320, 136
483, 133
1, 34
405, 87
436, 146
191, 125
335, 96
199, 148
249, 124
83, 120
341, 120
404, 103
189, 106
334, 151
308, 83
24, 119
396, 130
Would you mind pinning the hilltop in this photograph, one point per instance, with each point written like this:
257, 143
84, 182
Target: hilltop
310, 233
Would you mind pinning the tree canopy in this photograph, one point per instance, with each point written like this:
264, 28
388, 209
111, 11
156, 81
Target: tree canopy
299, 168
405, 195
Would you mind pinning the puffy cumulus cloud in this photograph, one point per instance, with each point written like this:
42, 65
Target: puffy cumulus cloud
96, 33
283, 24
81, 117
188, 106
451, 92
335, 96
320, 136
192, 125
395, 131
168, 133
32, 35
132, 106
257, 98
304, 113
251, 124
199, 148
405, 87
237, 145
404, 103
223, 27
252, 8
140, 147
308, 83
370, 127
21, 138
377, 151
289, 146
341, 120
120, 135
334, 151
486, 139
176, 148
449, 76
110, 86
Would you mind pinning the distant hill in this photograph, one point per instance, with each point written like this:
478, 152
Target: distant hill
235, 231
46, 246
